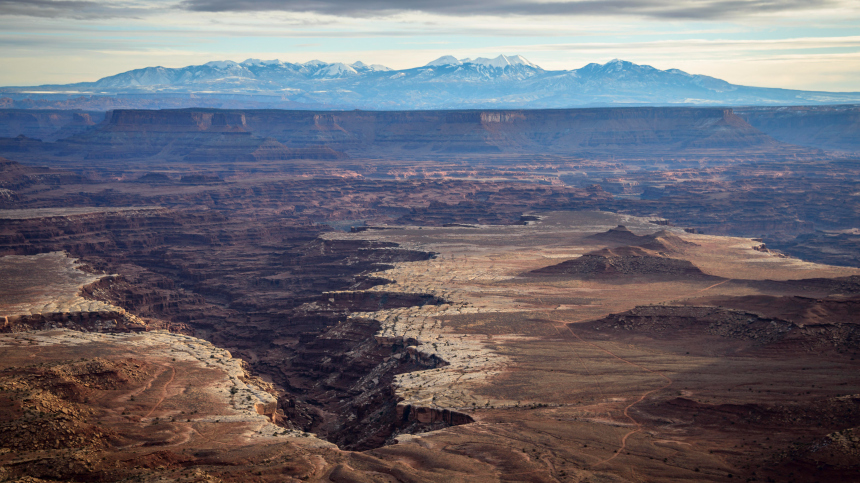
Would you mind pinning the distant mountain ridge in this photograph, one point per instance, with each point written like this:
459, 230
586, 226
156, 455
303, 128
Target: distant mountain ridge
445, 83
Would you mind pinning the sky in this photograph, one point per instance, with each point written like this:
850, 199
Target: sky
797, 44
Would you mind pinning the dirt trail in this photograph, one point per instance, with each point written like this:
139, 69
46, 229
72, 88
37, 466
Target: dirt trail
708, 288
626, 409
640, 366
163, 392
581, 361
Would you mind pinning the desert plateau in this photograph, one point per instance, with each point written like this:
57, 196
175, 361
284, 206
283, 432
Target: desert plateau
560, 295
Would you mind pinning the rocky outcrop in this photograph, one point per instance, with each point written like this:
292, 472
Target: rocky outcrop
662, 241
43, 292
671, 321
101, 321
619, 235
799, 310
622, 263
408, 413
766, 333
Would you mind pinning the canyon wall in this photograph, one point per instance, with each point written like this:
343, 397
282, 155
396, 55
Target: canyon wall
825, 127
47, 125
468, 131
636, 129
210, 135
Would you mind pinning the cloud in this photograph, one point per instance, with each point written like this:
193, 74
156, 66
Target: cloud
716, 45
657, 9
662, 9
76, 9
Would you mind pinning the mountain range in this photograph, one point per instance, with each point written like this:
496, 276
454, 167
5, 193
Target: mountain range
445, 83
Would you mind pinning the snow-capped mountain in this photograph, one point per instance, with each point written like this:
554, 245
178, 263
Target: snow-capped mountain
502, 61
447, 82
362, 67
445, 60
499, 62
253, 73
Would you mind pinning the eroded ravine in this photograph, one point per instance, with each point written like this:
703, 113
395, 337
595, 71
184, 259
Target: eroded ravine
338, 384
399, 341
266, 304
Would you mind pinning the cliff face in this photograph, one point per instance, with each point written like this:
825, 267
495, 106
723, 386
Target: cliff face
199, 134
192, 136
15, 176
509, 131
174, 121
827, 127
47, 125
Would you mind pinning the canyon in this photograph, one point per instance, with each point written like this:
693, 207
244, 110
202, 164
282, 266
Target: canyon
631, 294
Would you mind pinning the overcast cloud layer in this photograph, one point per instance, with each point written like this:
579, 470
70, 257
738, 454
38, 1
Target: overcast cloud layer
80, 9
668, 9
811, 45
658, 9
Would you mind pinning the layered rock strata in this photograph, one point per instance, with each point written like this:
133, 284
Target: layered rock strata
41, 292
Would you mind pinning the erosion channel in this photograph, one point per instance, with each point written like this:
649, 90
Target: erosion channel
290, 313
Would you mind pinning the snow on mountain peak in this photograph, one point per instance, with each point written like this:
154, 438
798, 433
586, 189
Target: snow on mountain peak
679, 72
261, 62
520, 60
371, 67
503, 61
504, 81
338, 69
444, 60
220, 64
615, 64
